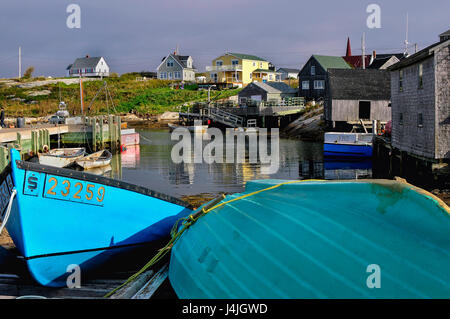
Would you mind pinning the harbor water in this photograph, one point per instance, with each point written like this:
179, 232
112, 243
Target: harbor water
149, 164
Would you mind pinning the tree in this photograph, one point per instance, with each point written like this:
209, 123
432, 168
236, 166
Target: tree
29, 72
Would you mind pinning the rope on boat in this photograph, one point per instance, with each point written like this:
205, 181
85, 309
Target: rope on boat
188, 221
8, 210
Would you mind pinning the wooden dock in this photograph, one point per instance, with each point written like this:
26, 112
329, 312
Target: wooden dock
93, 133
15, 281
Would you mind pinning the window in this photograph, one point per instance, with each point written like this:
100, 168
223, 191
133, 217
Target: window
234, 62
270, 77
170, 63
163, 75
250, 75
319, 85
260, 64
170, 75
254, 63
313, 70
305, 85
420, 78
177, 75
219, 63
400, 119
420, 120
400, 81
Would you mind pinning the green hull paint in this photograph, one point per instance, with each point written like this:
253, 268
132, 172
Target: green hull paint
317, 240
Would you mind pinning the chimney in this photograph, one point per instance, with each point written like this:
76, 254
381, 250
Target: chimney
374, 54
349, 49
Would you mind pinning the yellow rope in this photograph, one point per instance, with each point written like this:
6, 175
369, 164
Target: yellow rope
190, 220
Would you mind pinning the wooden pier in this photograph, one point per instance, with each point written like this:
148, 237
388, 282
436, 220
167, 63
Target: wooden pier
266, 115
93, 133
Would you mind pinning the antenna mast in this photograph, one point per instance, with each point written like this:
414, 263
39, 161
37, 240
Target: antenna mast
406, 40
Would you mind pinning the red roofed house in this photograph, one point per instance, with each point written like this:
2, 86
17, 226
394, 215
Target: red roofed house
355, 61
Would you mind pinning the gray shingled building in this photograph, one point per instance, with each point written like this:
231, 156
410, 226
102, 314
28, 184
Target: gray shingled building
421, 102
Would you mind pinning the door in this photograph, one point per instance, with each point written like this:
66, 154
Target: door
364, 110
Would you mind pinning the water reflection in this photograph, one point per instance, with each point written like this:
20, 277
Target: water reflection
150, 165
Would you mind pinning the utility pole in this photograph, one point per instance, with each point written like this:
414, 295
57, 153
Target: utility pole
20, 62
363, 44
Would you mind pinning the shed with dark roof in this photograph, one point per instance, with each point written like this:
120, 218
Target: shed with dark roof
354, 95
266, 91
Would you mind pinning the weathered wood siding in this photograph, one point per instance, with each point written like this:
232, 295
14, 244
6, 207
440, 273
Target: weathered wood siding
442, 88
407, 135
348, 110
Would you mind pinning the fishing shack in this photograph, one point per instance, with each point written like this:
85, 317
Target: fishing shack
357, 96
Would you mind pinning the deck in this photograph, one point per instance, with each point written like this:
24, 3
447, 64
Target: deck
15, 280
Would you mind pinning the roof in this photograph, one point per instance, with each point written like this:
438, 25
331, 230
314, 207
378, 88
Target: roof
359, 84
182, 60
288, 70
328, 62
357, 61
275, 87
82, 63
419, 56
379, 62
246, 56
446, 33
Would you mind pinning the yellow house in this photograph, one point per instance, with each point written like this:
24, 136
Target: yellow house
237, 69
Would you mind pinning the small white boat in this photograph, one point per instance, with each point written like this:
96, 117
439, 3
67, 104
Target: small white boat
193, 129
95, 160
61, 157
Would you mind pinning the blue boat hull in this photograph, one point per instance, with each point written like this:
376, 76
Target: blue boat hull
62, 218
347, 150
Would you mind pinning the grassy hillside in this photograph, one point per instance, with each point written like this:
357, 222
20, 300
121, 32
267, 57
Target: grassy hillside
144, 97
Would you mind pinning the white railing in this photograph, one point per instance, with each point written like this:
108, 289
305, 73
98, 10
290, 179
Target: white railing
221, 68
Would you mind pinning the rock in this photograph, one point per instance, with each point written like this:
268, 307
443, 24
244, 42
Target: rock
39, 93
168, 116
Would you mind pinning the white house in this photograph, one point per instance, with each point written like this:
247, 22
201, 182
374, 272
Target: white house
287, 73
177, 67
88, 66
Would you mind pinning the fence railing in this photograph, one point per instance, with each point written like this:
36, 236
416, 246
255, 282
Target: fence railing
221, 68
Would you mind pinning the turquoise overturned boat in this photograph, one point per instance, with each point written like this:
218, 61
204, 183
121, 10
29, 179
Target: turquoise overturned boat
60, 218
317, 239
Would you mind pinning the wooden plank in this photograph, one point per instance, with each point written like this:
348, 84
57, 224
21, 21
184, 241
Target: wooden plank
133, 287
147, 291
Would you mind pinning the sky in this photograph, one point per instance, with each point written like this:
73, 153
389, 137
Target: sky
134, 35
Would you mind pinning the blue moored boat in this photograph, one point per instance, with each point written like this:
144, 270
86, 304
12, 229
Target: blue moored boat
347, 145
317, 239
62, 217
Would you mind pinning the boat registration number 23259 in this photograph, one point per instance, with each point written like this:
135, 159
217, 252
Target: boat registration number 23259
64, 188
